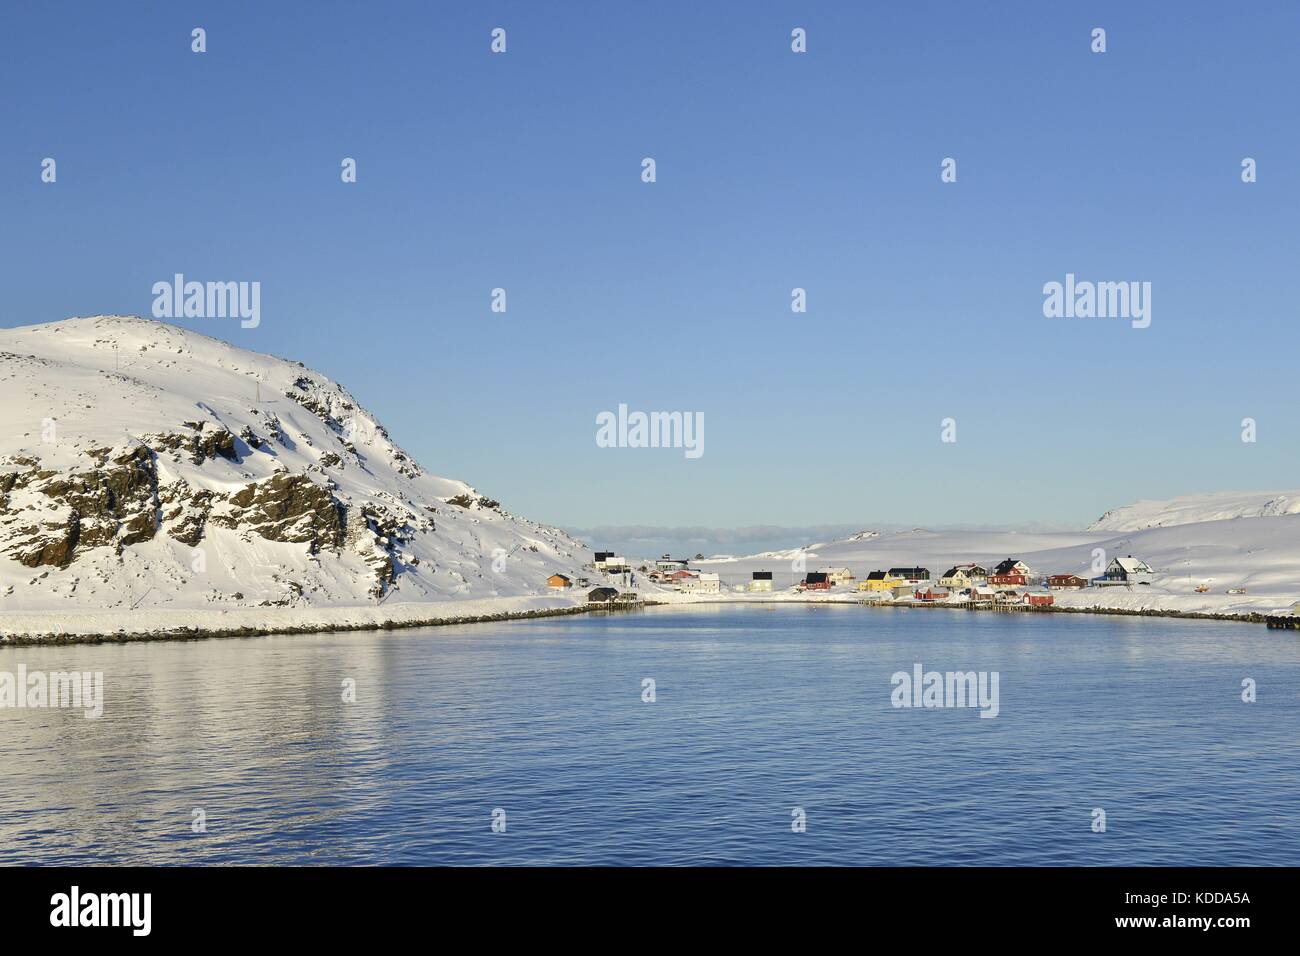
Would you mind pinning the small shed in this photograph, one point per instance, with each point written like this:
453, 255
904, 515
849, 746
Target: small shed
602, 595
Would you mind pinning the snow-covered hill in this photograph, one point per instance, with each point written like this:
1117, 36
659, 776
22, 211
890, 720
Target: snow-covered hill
1192, 509
144, 465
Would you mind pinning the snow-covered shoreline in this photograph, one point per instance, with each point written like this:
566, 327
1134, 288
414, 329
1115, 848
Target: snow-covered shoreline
1124, 605
116, 626
161, 624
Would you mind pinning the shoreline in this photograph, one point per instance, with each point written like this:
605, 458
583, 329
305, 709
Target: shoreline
404, 617
261, 622
1248, 617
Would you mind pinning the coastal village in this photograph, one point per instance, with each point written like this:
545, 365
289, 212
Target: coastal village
1011, 584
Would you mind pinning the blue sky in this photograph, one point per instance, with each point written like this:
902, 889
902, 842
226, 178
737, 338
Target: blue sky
775, 170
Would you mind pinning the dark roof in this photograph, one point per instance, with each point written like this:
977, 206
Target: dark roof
816, 577
1007, 567
602, 594
877, 575
602, 555
909, 572
762, 575
565, 576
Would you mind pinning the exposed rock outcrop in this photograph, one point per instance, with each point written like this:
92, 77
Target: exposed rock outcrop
115, 504
285, 507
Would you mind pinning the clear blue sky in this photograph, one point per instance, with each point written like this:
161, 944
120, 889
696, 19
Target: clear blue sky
775, 170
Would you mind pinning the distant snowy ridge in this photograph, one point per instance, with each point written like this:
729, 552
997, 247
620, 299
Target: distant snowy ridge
147, 466
1192, 509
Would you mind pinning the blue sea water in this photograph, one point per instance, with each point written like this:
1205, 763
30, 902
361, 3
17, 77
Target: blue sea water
758, 710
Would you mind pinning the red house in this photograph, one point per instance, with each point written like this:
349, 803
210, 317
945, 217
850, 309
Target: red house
1061, 582
1010, 573
930, 594
1034, 599
817, 581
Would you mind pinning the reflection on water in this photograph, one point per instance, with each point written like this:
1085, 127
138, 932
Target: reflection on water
759, 710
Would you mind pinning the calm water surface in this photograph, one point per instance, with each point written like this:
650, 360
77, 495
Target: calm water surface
759, 710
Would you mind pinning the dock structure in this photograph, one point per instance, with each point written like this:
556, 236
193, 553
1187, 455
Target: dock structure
1288, 622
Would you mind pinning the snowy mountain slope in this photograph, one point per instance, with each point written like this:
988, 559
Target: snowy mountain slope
1191, 509
144, 465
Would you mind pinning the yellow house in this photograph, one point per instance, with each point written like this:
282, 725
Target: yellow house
879, 581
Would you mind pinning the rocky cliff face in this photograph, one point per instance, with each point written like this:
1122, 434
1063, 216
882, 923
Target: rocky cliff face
149, 465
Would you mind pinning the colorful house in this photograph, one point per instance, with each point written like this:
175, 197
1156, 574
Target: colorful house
559, 582
1063, 582
963, 576
1010, 573
879, 581
817, 581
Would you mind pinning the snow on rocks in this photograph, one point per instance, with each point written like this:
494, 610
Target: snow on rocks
145, 467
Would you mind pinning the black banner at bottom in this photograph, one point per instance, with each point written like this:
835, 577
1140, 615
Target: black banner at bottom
333, 906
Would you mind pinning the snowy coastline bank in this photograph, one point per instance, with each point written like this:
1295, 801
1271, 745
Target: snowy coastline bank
40, 628
168, 624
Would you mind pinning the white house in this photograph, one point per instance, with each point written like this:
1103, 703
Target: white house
1126, 570
761, 581
837, 575
707, 582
